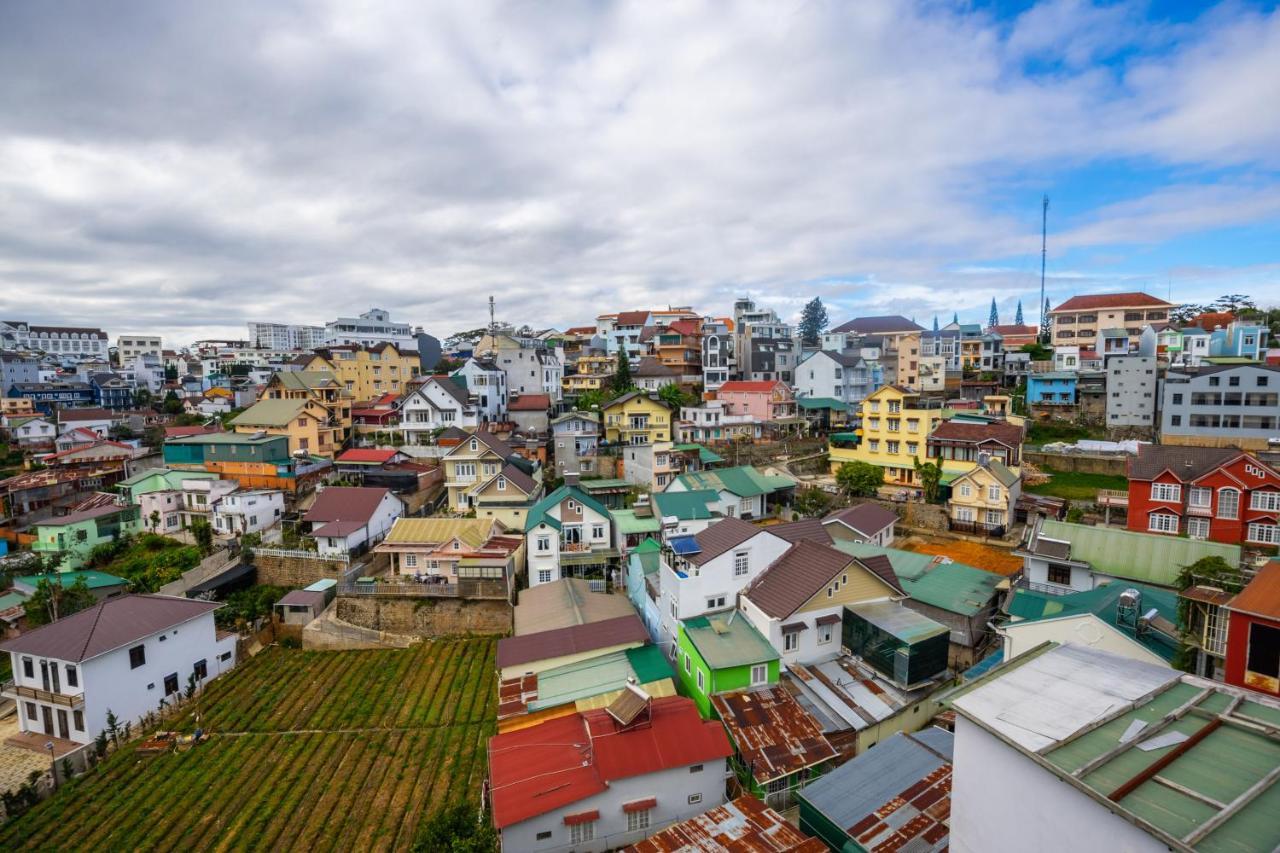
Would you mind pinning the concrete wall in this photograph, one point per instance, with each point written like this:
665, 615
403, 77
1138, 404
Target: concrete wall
1081, 463
426, 617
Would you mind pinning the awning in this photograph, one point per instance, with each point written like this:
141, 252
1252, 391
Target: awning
640, 805
581, 817
830, 619
588, 558
844, 436
794, 628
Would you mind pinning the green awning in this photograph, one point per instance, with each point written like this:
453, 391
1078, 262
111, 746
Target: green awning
845, 436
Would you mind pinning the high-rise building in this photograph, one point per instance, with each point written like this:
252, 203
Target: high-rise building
369, 329
284, 336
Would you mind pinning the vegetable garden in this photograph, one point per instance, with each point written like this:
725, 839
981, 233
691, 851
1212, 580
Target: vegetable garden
307, 750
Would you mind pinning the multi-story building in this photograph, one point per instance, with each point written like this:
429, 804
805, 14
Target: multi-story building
45, 396
1015, 337
576, 436
711, 423
286, 336
486, 383
835, 376
569, 534
474, 461
1132, 391
1082, 319
983, 498
18, 368
965, 441
75, 342
637, 418
678, 346
766, 400
1220, 494
901, 345
591, 373
766, 347
719, 352
111, 391
73, 536
318, 386
371, 328
366, 373
130, 346
532, 365
1232, 405
896, 424
306, 423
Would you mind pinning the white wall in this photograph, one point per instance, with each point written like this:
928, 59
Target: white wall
1038, 572
1002, 801
671, 788
1084, 630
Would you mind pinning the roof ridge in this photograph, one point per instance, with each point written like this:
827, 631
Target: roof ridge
102, 605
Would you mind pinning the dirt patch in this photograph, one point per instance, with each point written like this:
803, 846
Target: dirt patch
986, 557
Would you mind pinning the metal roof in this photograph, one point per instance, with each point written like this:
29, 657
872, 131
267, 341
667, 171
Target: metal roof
743, 481
1147, 557
565, 685
1262, 596
772, 733
1029, 606
1190, 761
628, 522
686, 506
565, 603
559, 642
108, 625
727, 639
897, 795
954, 587
744, 825
901, 622
430, 531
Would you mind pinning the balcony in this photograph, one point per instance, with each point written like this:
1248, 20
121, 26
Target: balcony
15, 691
1113, 497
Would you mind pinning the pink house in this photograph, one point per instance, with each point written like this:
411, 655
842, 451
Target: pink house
770, 400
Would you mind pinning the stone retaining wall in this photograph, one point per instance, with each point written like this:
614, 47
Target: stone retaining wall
296, 571
1083, 463
426, 617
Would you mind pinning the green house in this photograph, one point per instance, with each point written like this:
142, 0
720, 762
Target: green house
720, 652
158, 480
75, 535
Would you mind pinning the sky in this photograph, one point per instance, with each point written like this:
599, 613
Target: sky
186, 167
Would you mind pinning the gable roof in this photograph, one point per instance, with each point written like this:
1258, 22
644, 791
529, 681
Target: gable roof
970, 431
485, 437
879, 325
995, 468
804, 530
368, 455
77, 517
1027, 606
575, 639
1111, 300
743, 481
518, 478
722, 536
564, 604
693, 505
727, 639
538, 513
346, 503
529, 403
304, 380
108, 625
867, 518
472, 532
946, 585
1262, 596
800, 573
653, 367
1184, 462
272, 413
67, 416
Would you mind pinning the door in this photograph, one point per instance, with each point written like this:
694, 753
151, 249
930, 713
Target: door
48, 719
64, 729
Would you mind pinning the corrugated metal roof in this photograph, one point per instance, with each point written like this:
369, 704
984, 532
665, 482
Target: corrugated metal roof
772, 733
743, 481
471, 531
1146, 557
629, 523
693, 505
545, 645
1262, 596
108, 625
744, 825
954, 587
565, 603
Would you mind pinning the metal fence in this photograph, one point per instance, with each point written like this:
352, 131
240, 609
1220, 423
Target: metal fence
977, 528
466, 589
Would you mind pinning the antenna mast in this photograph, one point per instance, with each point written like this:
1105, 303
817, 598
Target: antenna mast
493, 326
1044, 253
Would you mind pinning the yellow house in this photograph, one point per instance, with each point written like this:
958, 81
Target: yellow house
367, 374
894, 434
983, 498
318, 386
469, 466
594, 373
637, 418
305, 423
507, 497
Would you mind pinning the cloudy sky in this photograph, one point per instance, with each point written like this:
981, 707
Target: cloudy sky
183, 167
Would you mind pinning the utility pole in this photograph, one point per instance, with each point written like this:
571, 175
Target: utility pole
1044, 254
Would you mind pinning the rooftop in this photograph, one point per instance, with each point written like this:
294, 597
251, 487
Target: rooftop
1112, 300
867, 518
1262, 596
565, 603
1187, 464
571, 684
1190, 761
744, 825
108, 625
772, 733
801, 573
727, 639
743, 481
844, 693
271, 413
687, 506
721, 536
92, 579
935, 581
576, 639
346, 503
472, 532
879, 325
899, 622
1026, 605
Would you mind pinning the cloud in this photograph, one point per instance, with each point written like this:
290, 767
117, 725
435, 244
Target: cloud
188, 167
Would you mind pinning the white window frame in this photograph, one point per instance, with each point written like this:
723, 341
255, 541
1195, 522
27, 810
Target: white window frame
741, 563
1200, 497
1166, 492
580, 833
965, 491
638, 820
1263, 533
1162, 522
1197, 527
993, 493
702, 681
544, 575
1235, 505
1265, 501
759, 674
790, 641
825, 634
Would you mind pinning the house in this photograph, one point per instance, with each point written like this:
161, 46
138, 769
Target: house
433, 404
577, 439
476, 557
637, 418
473, 461
98, 453
651, 375
347, 520
722, 652
745, 824
101, 584
543, 650
834, 375
123, 655
1253, 634
320, 387
798, 602
111, 391
1221, 405
865, 522
74, 536
1061, 557
1054, 388
678, 346
1015, 336
565, 603
1135, 620
822, 414
770, 400
254, 460
569, 534
357, 461
170, 510
710, 422
1215, 493
486, 385
45, 397
509, 495
301, 606
30, 431
532, 366
895, 425
742, 491
367, 372
304, 422
530, 412
779, 746
705, 572
247, 511
622, 772
983, 499
895, 797
591, 373
650, 466
964, 441
682, 514
1077, 748
33, 495
97, 420
1082, 319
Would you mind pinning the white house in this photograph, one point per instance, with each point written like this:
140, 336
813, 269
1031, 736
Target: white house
568, 534
247, 511
487, 385
866, 522
709, 570
30, 429
122, 655
97, 420
833, 375
346, 520
608, 777
742, 491
434, 404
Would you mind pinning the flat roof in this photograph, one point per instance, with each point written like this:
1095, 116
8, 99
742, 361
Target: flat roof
901, 622
1147, 557
844, 693
727, 639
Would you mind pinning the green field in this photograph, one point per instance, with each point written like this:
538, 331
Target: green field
1076, 486
307, 751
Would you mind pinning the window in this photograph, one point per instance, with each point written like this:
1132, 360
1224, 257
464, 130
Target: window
824, 634
597, 531
1166, 492
1200, 497
1263, 657
694, 799
1265, 500
892, 446
791, 641
28, 668
1233, 381
1175, 420
688, 663
1198, 528
965, 490
702, 682
544, 543
544, 576
410, 561
741, 564
715, 602
502, 484
1162, 522
1228, 503
544, 836
1060, 575
582, 832
137, 657
1267, 534
73, 677
995, 517
638, 820
171, 684
759, 675
993, 493
224, 657
200, 669
77, 718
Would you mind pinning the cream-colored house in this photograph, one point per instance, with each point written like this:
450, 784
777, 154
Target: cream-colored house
508, 496
477, 555
983, 498
476, 460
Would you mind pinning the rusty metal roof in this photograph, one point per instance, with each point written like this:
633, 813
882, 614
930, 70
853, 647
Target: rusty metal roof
744, 825
772, 733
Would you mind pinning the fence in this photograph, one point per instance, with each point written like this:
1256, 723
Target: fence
463, 589
977, 528
302, 554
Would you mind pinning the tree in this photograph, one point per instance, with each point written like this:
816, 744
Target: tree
621, 382
930, 477
142, 398
813, 321
860, 479
1233, 303
170, 373
447, 365
1017, 318
589, 399
203, 534
1039, 352
811, 502
460, 828
1044, 323
52, 601
154, 518
673, 396
994, 319
935, 324
955, 318
172, 403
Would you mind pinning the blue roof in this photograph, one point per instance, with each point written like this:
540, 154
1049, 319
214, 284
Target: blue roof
684, 545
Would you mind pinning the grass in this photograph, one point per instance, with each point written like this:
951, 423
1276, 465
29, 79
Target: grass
1052, 431
308, 750
1076, 486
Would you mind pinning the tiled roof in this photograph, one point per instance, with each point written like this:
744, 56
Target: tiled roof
723, 535
108, 625
631, 318
1111, 300
519, 479
69, 415
867, 519
879, 325
576, 639
796, 577
805, 530
1002, 431
529, 403
1013, 330
345, 503
1186, 463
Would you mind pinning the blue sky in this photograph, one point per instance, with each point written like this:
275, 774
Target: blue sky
188, 167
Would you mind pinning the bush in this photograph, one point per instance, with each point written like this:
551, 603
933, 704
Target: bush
459, 828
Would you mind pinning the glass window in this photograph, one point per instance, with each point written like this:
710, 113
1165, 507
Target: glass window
1166, 492
1228, 503
137, 657
1162, 522
1060, 575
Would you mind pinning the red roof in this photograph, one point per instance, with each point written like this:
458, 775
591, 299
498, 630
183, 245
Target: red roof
1013, 330
529, 403
368, 454
580, 330
685, 327
69, 415
1112, 300
345, 503
563, 761
83, 447
181, 431
746, 387
632, 318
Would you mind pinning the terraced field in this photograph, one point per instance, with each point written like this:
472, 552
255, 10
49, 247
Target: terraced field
307, 751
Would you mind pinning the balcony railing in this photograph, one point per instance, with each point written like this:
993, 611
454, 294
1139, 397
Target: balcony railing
1113, 497
13, 690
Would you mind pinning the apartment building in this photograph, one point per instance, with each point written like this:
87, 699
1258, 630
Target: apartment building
895, 428
1232, 405
1082, 319
130, 346
74, 341
371, 328
367, 373
286, 336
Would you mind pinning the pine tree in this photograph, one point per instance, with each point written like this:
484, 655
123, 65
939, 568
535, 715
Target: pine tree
1018, 317
813, 321
1044, 322
955, 318
622, 376
935, 323
994, 319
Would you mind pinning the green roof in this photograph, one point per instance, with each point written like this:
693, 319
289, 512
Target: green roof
686, 506
272, 413
648, 555
845, 436
11, 599
736, 643
822, 403
705, 456
584, 679
1028, 606
743, 481
628, 523
1145, 557
538, 513
649, 663
92, 579
602, 484
953, 587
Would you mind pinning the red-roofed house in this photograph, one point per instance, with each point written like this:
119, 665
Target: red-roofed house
1253, 633
345, 520
530, 412
1081, 319
608, 777
768, 400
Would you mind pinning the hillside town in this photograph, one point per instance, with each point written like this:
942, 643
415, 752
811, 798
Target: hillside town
677, 578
